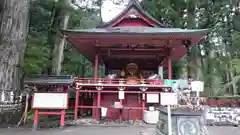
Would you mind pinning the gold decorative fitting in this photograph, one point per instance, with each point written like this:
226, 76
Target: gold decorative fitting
143, 88
78, 85
121, 88
99, 87
99, 81
121, 81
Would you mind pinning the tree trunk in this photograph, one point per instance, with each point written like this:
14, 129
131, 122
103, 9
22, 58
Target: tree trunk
183, 70
63, 18
58, 50
14, 16
194, 61
229, 43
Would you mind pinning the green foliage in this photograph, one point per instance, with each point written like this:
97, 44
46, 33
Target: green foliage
225, 97
219, 53
36, 56
38, 53
218, 57
31, 115
235, 63
170, 11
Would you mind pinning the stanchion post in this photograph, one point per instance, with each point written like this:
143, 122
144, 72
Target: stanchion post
168, 99
76, 102
35, 119
62, 121
198, 97
169, 120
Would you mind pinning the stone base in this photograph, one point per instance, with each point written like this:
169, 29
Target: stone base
34, 127
61, 127
9, 118
184, 122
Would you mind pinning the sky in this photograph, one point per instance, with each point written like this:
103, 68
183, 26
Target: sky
110, 10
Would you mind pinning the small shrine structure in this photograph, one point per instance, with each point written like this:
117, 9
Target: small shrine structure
50, 96
132, 46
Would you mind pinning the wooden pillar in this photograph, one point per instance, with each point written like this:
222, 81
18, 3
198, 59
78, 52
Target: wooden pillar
96, 67
143, 103
96, 99
169, 68
76, 102
35, 119
62, 120
98, 110
160, 71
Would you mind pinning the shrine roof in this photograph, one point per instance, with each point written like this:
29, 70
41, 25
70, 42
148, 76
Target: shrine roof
49, 80
97, 40
138, 30
149, 39
133, 4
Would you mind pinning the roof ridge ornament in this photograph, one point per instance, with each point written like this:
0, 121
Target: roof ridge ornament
133, 1
133, 4
133, 16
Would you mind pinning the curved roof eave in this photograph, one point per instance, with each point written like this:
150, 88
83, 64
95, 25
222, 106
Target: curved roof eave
131, 4
138, 30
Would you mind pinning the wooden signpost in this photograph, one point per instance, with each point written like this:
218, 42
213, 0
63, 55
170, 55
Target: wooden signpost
49, 101
197, 86
168, 99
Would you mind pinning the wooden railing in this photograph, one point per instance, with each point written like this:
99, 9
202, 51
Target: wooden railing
118, 81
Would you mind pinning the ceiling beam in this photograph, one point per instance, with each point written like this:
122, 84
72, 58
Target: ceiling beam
134, 56
155, 50
124, 46
100, 43
121, 63
130, 53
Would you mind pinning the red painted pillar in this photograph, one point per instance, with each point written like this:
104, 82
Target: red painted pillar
76, 102
65, 88
63, 112
169, 69
96, 67
98, 112
95, 100
35, 119
143, 103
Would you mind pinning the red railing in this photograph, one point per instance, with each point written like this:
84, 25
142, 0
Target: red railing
118, 81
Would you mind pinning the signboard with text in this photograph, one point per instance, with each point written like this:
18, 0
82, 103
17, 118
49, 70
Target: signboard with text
50, 101
169, 98
197, 86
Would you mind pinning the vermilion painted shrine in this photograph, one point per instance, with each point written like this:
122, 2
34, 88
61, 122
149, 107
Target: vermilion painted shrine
133, 46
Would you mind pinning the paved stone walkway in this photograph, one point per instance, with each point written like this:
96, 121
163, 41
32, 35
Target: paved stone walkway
96, 130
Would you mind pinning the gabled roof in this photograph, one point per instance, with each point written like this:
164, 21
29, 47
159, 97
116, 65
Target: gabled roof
141, 30
133, 4
89, 41
49, 80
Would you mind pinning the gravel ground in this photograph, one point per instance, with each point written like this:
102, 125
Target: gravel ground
97, 130
224, 130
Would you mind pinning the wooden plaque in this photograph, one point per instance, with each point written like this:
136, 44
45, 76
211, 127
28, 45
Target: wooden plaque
50, 101
169, 98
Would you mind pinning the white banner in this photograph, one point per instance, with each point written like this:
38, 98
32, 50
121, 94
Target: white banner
50, 100
197, 86
169, 99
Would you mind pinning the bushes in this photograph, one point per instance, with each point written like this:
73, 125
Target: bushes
223, 101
